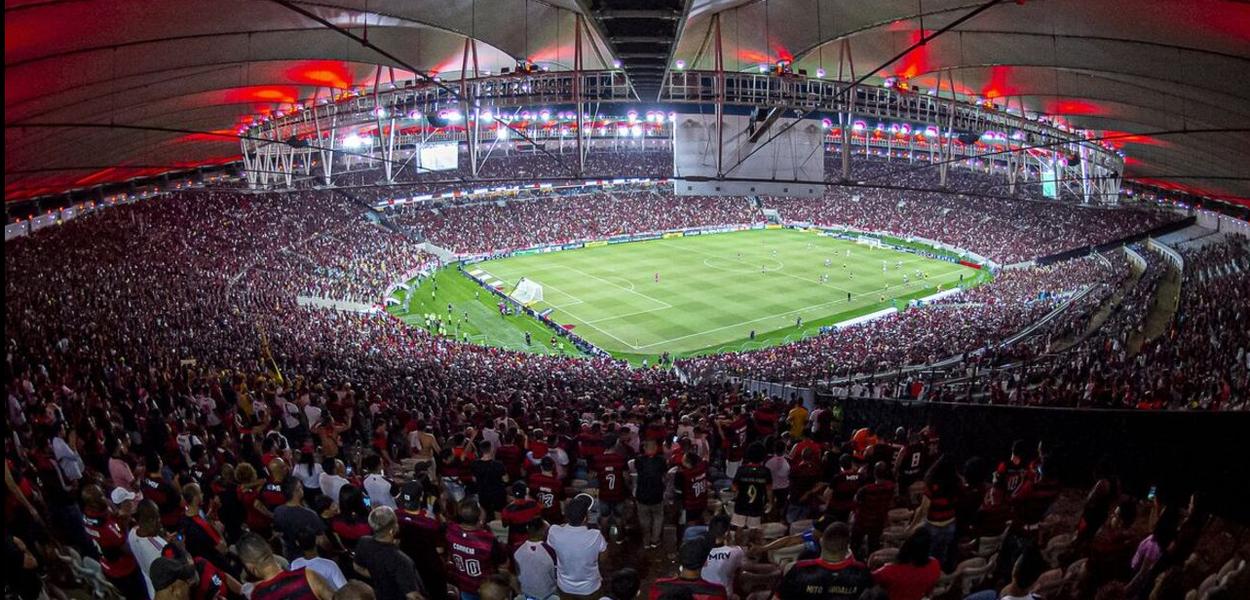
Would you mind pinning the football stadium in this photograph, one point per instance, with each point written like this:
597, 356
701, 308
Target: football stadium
624, 299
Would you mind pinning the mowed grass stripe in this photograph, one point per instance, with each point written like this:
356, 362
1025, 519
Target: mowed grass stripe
711, 290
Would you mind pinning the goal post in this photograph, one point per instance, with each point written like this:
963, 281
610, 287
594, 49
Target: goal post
527, 292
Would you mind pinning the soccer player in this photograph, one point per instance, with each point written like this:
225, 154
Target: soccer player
828, 262
657, 276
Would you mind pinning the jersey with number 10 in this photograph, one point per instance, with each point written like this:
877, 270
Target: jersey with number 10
694, 487
474, 555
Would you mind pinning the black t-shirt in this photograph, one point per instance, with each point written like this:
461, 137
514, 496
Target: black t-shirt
489, 475
753, 481
650, 471
291, 521
819, 579
391, 571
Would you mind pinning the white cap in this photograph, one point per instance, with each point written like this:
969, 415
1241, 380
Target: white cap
120, 495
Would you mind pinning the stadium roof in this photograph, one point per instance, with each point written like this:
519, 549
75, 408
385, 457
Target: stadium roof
1133, 69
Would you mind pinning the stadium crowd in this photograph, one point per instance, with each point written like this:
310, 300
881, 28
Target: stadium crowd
490, 227
1200, 362
965, 322
176, 417
516, 169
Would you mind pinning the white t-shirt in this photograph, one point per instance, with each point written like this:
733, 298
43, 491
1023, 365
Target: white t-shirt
379, 491
310, 479
145, 550
722, 563
331, 484
779, 466
577, 550
326, 568
536, 569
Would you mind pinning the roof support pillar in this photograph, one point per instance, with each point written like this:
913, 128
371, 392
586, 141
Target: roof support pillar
720, 101
845, 57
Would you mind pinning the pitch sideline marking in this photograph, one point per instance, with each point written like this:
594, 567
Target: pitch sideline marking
564, 307
773, 316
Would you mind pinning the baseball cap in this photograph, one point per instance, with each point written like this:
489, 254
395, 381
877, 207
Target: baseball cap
578, 508
165, 571
411, 494
519, 489
120, 495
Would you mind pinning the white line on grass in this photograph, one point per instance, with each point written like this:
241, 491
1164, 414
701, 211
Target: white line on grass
773, 316
621, 287
779, 270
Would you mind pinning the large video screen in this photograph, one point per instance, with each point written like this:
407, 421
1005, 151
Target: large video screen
441, 156
1050, 183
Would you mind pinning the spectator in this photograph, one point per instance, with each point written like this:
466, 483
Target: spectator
836, 575
146, 539
293, 519
392, 573
577, 549
272, 581
309, 558
475, 553
691, 558
536, 563
914, 573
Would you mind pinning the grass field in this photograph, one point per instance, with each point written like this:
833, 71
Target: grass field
713, 291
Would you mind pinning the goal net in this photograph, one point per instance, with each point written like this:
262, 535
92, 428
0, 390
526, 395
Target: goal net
527, 292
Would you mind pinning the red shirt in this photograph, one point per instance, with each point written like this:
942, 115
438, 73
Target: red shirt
513, 460
255, 520
517, 516
271, 495
549, 491
474, 555
694, 487
699, 588
115, 558
736, 439
349, 531
611, 467
166, 498
286, 585
907, 581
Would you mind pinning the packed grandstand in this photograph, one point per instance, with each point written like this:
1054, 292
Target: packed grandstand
443, 366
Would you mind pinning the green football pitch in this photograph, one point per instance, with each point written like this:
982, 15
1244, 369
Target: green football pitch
712, 291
